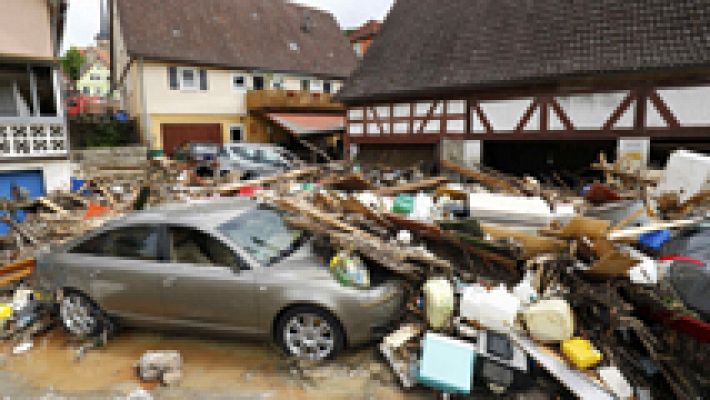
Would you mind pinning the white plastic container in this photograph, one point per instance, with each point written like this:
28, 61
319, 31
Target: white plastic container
439, 297
615, 381
524, 290
423, 204
495, 309
550, 320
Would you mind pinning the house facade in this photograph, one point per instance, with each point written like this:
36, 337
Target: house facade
205, 74
95, 74
33, 132
539, 84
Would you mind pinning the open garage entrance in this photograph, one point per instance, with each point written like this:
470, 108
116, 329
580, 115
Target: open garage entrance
540, 158
397, 155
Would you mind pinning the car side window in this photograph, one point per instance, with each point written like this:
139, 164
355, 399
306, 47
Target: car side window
95, 246
135, 242
191, 246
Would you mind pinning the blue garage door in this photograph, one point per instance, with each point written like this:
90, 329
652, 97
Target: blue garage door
32, 181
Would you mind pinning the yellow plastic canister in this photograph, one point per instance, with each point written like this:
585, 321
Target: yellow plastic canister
581, 353
5, 311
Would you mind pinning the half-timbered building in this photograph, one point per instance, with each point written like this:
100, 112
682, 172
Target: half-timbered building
525, 84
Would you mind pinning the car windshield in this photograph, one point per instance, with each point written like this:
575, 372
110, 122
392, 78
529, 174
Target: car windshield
263, 234
205, 149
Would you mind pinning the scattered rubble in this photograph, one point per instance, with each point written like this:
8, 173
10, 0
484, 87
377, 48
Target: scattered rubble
506, 276
162, 366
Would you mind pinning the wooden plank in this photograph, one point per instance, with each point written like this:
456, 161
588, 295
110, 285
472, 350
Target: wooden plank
412, 186
483, 178
234, 187
533, 245
579, 227
52, 206
634, 233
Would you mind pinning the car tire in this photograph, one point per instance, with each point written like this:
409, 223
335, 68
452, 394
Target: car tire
310, 333
81, 317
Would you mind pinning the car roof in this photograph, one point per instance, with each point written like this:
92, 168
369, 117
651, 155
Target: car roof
255, 145
205, 214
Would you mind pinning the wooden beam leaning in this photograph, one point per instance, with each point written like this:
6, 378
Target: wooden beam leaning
483, 178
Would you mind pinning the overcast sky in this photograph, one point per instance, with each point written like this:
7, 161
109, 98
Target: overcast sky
83, 18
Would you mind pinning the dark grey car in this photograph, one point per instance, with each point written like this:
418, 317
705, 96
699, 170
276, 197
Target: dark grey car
225, 265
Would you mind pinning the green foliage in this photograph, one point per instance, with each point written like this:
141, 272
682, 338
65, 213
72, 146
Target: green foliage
72, 62
102, 133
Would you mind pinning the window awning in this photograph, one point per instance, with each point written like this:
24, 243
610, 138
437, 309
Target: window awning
309, 124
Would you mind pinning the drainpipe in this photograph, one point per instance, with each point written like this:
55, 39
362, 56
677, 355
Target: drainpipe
146, 119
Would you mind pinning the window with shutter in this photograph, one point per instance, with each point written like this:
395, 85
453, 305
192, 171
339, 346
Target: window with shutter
173, 78
203, 79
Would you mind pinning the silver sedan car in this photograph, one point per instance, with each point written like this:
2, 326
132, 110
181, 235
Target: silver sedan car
227, 265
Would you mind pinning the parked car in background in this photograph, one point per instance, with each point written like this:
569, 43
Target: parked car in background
201, 157
230, 265
252, 160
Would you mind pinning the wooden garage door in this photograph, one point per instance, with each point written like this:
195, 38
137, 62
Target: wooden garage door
177, 134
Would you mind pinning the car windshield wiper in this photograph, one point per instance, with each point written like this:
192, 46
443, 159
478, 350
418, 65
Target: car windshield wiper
295, 245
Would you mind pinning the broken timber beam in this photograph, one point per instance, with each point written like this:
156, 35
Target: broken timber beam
485, 179
412, 186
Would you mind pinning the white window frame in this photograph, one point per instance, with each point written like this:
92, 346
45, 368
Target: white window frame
316, 85
195, 79
245, 84
282, 82
241, 127
94, 76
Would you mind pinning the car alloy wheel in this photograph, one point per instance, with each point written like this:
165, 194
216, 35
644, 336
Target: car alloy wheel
311, 334
79, 316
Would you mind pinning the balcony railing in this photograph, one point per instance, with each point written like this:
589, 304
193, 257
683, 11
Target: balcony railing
32, 137
290, 99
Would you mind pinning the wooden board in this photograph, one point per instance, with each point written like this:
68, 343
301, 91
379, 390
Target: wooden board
533, 245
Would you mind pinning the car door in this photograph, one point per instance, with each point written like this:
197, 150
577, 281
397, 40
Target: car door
208, 282
120, 269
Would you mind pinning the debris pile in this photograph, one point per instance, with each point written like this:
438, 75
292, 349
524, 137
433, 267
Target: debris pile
511, 283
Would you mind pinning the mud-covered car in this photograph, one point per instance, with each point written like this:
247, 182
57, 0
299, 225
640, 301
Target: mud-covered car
227, 265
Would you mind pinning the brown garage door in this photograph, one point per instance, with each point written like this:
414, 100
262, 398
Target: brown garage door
177, 134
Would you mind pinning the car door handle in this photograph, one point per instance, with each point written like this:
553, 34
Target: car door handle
169, 282
94, 274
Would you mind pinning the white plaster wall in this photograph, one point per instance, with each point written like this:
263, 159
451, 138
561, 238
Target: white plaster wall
691, 106
653, 117
505, 115
591, 110
220, 98
25, 29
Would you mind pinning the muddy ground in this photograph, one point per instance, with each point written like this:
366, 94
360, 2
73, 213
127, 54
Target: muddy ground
214, 368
